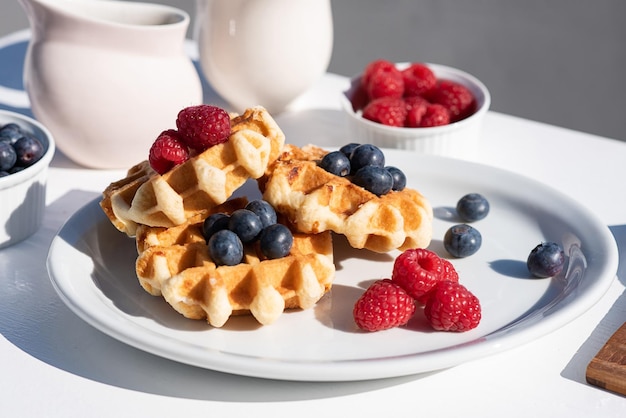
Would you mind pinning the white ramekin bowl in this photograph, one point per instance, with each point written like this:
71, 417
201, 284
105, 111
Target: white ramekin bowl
458, 140
23, 194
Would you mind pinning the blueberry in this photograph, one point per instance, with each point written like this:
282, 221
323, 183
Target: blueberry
348, 148
225, 248
337, 163
276, 241
4, 173
472, 207
263, 210
29, 150
11, 132
462, 240
213, 223
364, 155
246, 224
399, 178
374, 179
546, 260
8, 157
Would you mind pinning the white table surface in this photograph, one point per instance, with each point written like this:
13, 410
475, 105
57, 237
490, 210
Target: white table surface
52, 364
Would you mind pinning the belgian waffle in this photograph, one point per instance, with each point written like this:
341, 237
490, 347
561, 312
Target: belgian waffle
205, 180
174, 263
315, 200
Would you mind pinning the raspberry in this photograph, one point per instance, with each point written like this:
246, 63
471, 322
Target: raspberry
417, 270
388, 83
386, 110
435, 115
456, 98
452, 307
448, 272
375, 67
203, 126
418, 79
167, 151
382, 306
416, 109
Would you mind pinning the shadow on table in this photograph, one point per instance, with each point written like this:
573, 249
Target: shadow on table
34, 319
577, 366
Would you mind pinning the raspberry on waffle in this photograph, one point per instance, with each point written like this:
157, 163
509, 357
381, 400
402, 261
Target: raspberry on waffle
174, 263
203, 181
315, 200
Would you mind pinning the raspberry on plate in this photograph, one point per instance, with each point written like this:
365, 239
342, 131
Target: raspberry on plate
203, 126
382, 306
435, 115
167, 151
448, 272
417, 270
418, 79
452, 307
455, 97
386, 110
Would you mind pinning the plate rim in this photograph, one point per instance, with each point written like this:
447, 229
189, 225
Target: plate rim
357, 369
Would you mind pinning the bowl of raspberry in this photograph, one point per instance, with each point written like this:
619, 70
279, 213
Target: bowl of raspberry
26, 149
422, 107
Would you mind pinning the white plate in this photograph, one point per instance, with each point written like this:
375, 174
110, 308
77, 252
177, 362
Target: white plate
91, 265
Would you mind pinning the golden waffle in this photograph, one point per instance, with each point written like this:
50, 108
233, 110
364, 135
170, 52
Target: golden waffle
204, 181
174, 262
315, 200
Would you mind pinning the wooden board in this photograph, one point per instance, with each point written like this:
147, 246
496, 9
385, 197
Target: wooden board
608, 368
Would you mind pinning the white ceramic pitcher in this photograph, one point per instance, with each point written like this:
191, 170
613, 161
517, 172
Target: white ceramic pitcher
107, 76
263, 52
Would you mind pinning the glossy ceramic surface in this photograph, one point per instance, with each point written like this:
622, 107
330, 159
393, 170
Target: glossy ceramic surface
106, 77
323, 343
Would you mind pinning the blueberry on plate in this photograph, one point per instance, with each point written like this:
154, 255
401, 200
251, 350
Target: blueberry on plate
374, 179
263, 210
225, 248
213, 223
399, 178
276, 241
462, 240
348, 148
364, 155
336, 163
546, 260
246, 224
472, 207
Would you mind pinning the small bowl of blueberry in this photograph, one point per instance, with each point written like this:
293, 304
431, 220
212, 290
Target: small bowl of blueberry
26, 149
423, 107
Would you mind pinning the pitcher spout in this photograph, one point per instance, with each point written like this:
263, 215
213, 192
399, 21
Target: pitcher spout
102, 22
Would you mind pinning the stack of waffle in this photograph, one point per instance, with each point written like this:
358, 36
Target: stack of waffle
165, 213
